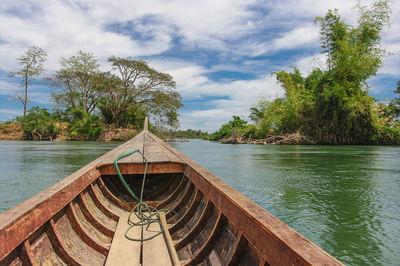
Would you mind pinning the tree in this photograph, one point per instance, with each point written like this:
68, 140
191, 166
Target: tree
343, 110
137, 85
78, 82
332, 105
395, 102
32, 66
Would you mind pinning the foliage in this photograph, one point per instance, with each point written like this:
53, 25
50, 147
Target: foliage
236, 125
332, 106
138, 88
77, 83
395, 102
82, 125
38, 124
387, 136
187, 134
32, 66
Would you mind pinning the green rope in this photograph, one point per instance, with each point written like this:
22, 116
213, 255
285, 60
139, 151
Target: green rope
145, 213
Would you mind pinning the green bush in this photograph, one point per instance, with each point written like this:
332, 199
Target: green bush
387, 136
83, 125
227, 129
38, 124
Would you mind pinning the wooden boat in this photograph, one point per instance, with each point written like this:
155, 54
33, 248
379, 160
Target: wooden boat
82, 219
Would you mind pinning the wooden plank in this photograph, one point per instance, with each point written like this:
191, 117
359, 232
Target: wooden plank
155, 251
153, 168
168, 240
124, 251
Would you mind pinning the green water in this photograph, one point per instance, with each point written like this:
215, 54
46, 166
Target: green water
343, 198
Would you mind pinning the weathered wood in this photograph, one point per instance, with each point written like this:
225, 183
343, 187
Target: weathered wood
124, 251
168, 240
172, 196
89, 216
208, 245
155, 251
100, 205
111, 196
19, 222
240, 244
164, 189
58, 245
181, 202
127, 168
189, 213
27, 256
82, 233
198, 226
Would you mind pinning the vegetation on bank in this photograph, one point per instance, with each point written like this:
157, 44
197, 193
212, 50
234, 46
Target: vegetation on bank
89, 102
331, 105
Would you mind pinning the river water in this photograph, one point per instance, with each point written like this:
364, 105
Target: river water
343, 198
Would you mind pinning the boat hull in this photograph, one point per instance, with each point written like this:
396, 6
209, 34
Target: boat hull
210, 223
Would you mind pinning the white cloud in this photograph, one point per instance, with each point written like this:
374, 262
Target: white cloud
305, 35
231, 28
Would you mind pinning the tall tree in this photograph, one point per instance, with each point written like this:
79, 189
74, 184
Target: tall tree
332, 105
138, 86
32, 66
78, 82
395, 102
343, 110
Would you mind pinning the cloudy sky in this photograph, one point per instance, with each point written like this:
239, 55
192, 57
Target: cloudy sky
220, 52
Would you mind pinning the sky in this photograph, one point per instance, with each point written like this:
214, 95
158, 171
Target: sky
220, 53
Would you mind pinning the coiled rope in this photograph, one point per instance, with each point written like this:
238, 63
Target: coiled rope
146, 214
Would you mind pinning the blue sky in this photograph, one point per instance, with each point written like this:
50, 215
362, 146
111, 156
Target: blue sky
220, 53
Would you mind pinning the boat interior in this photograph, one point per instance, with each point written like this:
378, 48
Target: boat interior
82, 220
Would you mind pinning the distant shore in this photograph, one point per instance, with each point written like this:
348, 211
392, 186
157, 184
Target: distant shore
13, 131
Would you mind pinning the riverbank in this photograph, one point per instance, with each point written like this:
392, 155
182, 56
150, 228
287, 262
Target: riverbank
294, 139
14, 131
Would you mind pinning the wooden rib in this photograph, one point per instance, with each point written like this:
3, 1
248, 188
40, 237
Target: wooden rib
263, 262
189, 213
107, 193
168, 240
58, 245
240, 245
209, 244
173, 194
26, 255
82, 233
196, 228
89, 216
100, 205
163, 189
183, 200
